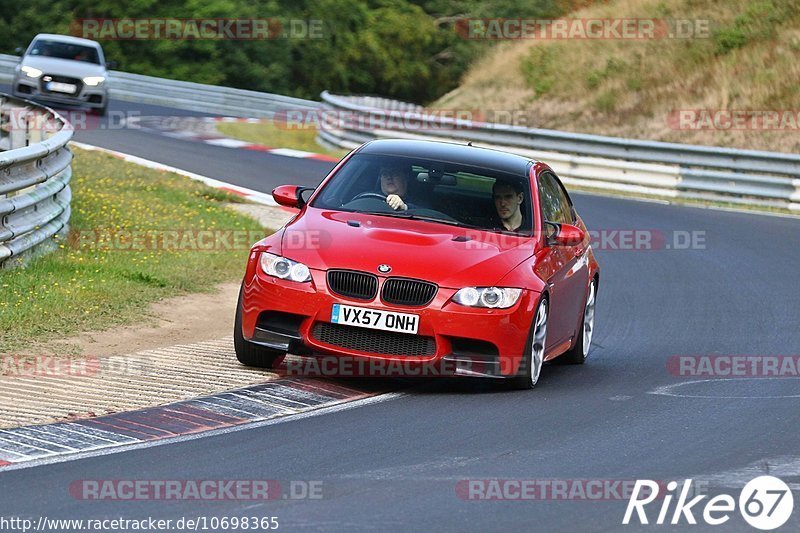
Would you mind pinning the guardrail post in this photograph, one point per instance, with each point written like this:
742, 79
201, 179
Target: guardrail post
795, 198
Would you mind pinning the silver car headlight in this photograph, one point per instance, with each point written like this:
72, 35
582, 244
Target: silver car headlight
93, 81
280, 267
491, 297
31, 72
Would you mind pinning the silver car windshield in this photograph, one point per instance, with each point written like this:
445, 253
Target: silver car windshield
61, 50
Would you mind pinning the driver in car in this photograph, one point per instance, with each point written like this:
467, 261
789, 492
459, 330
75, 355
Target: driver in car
394, 184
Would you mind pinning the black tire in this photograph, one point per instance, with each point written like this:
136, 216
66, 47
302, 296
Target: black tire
101, 111
248, 353
524, 378
577, 355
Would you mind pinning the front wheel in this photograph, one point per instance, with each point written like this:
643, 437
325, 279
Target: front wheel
577, 355
248, 353
533, 359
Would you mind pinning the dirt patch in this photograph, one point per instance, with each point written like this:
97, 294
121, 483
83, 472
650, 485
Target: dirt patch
184, 319
269, 217
189, 318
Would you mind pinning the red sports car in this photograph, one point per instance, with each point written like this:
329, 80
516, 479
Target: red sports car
427, 255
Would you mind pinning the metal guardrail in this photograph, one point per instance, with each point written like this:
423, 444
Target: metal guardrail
186, 95
199, 97
606, 163
35, 172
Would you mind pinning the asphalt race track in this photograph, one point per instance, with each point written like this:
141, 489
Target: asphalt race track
395, 465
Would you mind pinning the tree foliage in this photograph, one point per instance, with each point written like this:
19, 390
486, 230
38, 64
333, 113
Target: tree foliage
399, 48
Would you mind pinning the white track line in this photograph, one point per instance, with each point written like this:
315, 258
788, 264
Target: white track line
671, 390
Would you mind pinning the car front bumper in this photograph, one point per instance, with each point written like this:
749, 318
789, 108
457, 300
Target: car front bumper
460, 340
93, 97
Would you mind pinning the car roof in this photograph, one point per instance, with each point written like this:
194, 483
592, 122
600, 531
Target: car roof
67, 39
447, 151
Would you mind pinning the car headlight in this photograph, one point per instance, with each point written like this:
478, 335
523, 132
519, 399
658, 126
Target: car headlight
93, 80
31, 72
280, 267
492, 297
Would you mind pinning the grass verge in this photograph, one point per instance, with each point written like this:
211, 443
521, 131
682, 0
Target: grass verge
136, 235
267, 133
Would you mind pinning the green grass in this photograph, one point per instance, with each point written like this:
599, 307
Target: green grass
88, 284
275, 135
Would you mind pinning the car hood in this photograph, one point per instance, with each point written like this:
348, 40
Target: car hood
449, 256
64, 67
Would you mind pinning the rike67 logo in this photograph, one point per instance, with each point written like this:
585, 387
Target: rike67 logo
765, 503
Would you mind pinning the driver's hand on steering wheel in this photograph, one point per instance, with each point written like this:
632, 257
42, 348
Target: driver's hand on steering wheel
396, 203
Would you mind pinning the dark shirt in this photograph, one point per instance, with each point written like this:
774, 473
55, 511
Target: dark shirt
497, 223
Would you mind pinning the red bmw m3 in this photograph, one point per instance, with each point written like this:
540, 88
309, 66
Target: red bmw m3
427, 254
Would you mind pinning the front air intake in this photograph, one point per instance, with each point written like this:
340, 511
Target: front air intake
351, 284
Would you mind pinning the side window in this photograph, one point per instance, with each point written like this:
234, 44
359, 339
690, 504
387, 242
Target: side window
566, 203
555, 205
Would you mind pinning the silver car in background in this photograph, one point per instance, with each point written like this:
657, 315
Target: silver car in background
61, 69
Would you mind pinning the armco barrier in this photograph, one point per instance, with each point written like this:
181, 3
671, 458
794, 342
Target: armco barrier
186, 95
752, 177
34, 178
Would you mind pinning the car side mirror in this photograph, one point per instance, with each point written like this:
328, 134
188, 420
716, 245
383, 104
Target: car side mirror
290, 195
564, 234
112, 65
19, 50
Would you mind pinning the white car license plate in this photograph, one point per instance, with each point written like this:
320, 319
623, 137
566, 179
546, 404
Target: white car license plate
375, 319
58, 87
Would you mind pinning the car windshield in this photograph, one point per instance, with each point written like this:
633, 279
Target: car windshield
446, 192
61, 50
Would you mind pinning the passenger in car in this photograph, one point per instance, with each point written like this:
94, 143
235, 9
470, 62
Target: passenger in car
508, 197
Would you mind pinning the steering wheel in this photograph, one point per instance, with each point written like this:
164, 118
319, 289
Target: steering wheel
376, 195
